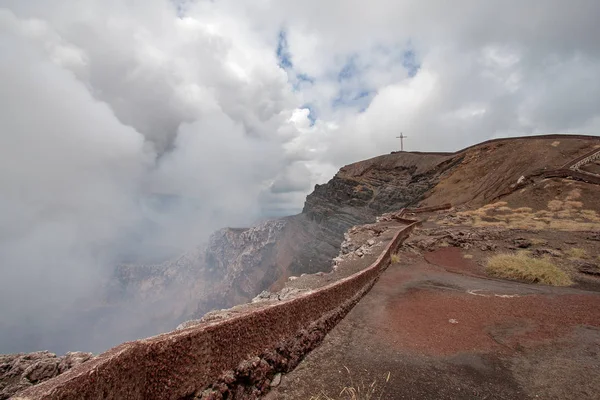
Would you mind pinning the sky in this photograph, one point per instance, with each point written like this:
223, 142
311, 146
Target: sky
128, 126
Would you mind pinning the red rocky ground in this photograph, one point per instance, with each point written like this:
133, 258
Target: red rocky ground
443, 330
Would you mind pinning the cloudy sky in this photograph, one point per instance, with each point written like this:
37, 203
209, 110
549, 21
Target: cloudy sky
184, 115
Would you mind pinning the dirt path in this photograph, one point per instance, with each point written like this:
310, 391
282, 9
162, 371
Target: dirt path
445, 335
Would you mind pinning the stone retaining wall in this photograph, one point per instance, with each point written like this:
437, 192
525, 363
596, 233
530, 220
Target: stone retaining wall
571, 174
569, 171
594, 156
236, 357
581, 160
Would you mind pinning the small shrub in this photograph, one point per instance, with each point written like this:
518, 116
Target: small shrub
395, 258
525, 268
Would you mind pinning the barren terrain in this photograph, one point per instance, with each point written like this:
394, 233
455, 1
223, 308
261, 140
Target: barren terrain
442, 328
442, 323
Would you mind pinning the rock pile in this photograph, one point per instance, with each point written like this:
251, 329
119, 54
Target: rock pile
431, 239
20, 371
588, 268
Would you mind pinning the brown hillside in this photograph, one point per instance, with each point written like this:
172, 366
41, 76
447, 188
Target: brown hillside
488, 170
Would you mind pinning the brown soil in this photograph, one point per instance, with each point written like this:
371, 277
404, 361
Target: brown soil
453, 260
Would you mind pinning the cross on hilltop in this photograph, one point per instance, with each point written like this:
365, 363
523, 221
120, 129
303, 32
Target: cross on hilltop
401, 137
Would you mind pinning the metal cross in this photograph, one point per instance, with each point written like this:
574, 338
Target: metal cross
401, 137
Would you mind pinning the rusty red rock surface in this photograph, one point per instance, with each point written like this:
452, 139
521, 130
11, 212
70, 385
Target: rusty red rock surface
449, 322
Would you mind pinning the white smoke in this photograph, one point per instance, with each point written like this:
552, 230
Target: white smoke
125, 134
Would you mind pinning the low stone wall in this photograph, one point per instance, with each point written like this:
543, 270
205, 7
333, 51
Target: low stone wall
570, 174
593, 157
399, 217
236, 357
564, 172
584, 159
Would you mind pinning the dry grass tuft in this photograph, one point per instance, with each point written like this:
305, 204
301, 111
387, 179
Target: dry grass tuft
555, 205
359, 391
574, 194
468, 256
525, 268
395, 258
590, 214
577, 253
561, 215
495, 205
571, 204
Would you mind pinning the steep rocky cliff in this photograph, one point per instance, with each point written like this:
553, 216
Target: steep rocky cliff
237, 264
234, 265
357, 194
